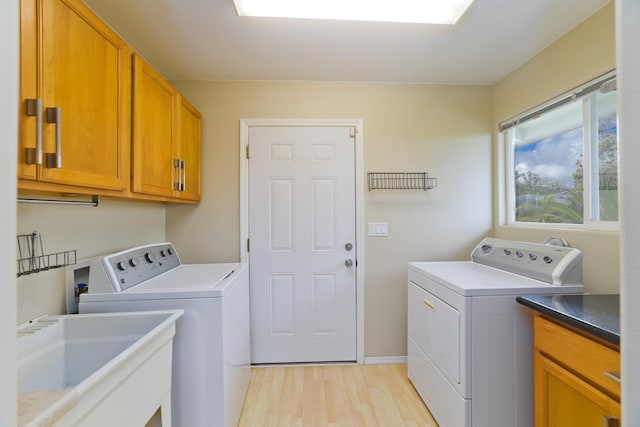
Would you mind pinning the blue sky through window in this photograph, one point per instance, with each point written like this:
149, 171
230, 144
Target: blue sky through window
552, 158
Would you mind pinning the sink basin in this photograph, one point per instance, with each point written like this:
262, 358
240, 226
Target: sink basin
96, 366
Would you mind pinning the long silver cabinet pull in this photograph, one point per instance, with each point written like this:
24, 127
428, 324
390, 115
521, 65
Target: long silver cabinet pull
610, 421
183, 166
613, 375
176, 167
34, 108
54, 115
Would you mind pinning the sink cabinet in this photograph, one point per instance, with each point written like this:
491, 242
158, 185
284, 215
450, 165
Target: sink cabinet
166, 137
75, 100
576, 377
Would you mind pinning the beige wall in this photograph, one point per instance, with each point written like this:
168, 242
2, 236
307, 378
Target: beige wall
444, 130
582, 54
112, 226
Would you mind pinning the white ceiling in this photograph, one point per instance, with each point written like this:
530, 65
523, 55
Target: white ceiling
206, 40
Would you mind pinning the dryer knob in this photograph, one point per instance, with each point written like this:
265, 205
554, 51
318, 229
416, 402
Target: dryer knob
133, 262
121, 266
149, 257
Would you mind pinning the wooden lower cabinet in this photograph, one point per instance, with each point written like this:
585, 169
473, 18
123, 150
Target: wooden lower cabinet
570, 389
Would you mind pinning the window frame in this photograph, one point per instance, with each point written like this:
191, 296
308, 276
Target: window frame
591, 214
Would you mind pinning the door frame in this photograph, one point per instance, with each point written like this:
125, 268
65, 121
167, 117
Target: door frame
245, 125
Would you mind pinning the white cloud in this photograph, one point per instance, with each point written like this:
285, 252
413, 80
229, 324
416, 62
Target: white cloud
552, 158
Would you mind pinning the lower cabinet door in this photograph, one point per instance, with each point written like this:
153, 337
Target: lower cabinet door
565, 400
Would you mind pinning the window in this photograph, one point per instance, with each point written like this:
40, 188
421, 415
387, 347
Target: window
562, 159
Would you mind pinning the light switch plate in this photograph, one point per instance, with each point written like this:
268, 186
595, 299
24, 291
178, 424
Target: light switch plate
378, 229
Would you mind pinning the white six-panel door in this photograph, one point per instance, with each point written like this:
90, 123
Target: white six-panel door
302, 244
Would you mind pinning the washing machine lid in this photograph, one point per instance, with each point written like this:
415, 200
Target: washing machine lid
183, 282
469, 279
187, 277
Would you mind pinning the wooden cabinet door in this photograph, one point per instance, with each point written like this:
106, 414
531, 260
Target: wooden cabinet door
82, 70
190, 150
565, 400
154, 132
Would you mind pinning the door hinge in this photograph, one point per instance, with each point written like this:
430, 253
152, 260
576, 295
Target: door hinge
353, 132
248, 244
247, 152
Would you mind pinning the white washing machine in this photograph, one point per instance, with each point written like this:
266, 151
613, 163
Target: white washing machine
212, 353
470, 344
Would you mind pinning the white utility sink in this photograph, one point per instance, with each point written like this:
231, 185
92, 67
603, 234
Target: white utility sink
96, 369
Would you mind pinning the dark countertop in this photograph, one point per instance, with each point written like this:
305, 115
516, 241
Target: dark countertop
596, 314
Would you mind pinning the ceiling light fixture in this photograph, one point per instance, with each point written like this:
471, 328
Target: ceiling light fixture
407, 11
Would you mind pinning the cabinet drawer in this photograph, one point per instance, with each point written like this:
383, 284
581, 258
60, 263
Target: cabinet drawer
589, 359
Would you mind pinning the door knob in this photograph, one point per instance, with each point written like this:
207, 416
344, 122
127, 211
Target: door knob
348, 263
348, 246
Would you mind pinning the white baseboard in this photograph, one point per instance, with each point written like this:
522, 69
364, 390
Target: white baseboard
385, 360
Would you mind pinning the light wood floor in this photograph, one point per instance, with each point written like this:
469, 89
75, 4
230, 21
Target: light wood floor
333, 396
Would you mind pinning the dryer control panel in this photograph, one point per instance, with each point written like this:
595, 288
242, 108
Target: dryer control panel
557, 265
123, 270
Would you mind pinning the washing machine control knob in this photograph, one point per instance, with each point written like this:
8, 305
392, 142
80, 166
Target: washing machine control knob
121, 265
133, 262
149, 257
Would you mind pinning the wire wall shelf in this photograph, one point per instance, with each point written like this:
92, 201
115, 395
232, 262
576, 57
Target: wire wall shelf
401, 181
32, 259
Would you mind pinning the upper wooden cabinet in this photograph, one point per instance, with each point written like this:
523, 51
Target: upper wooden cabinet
167, 138
190, 150
76, 99
154, 131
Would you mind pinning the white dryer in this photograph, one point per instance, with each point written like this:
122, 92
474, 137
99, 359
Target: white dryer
470, 344
212, 353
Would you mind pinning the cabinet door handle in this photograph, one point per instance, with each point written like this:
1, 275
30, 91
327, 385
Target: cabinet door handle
176, 167
613, 375
429, 304
610, 421
54, 115
183, 166
34, 108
